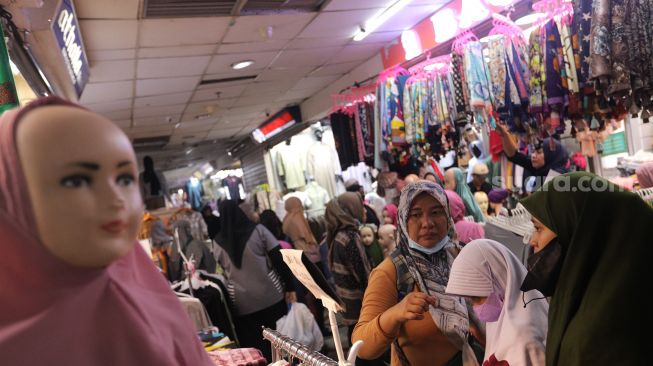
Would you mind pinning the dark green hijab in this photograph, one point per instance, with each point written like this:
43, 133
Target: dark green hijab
602, 301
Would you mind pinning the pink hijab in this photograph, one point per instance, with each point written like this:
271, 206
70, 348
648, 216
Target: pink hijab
467, 230
645, 175
392, 210
54, 313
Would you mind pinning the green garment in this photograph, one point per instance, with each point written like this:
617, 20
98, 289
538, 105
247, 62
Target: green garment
602, 301
8, 95
471, 207
374, 253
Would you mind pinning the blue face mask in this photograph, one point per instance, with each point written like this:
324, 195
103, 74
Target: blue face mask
436, 248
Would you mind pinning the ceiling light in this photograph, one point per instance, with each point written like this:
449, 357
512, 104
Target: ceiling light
189, 151
380, 18
529, 19
242, 64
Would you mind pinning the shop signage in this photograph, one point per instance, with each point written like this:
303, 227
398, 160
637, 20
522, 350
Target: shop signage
69, 38
442, 26
615, 144
282, 120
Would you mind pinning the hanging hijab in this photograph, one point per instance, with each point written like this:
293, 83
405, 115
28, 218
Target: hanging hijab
149, 176
431, 272
344, 212
602, 290
645, 175
466, 230
471, 207
296, 227
52, 304
518, 336
392, 211
236, 228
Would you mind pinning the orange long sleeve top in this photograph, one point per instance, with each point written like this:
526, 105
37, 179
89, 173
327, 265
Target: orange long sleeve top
421, 340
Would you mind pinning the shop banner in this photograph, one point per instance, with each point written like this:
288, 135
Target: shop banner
8, 95
445, 24
65, 27
281, 121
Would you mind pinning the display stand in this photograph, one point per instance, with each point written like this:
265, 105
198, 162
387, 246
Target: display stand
311, 277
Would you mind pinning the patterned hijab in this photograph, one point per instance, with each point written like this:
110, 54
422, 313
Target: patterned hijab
431, 272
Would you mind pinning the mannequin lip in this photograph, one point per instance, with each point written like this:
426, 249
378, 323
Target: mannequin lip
114, 227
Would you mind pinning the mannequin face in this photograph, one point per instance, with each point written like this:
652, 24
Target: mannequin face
542, 235
81, 175
367, 236
386, 217
386, 239
482, 200
449, 180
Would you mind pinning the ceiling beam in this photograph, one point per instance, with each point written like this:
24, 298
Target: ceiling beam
238, 7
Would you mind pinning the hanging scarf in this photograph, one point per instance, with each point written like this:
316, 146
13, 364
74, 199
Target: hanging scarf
600, 41
536, 83
471, 207
458, 86
620, 77
555, 88
431, 272
497, 72
479, 88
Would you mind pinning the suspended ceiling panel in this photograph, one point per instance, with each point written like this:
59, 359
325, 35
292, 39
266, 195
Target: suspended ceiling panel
151, 72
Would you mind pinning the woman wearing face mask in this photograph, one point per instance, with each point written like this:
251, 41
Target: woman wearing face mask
405, 305
547, 155
595, 267
75, 283
347, 259
489, 275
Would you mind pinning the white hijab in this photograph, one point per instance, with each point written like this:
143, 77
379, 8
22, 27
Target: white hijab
519, 335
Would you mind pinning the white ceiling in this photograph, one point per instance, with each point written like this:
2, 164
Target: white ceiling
146, 73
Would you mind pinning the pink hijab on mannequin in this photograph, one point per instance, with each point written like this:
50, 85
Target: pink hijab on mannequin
57, 314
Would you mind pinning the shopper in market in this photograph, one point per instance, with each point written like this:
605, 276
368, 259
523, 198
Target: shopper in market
296, 227
592, 244
645, 175
546, 155
479, 181
454, 180
347, 259
390, 214
212, 221
153, 185
489, 276
244, 251
77, 289
405, 305
271, 221
352, 185
466, 231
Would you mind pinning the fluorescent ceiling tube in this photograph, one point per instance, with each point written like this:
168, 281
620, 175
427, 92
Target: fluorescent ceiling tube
380, 18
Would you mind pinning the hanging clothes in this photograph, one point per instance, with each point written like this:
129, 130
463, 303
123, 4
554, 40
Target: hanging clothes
344, 139
290, 166
600, 41
478, 84
323, 164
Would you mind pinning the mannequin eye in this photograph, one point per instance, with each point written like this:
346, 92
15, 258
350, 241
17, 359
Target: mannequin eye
76, 181
125, 180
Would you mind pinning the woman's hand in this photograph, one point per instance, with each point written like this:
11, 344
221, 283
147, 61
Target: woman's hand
502, 128
291, 297
413, 307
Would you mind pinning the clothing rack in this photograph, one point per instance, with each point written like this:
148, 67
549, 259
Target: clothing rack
519, 222
282, 344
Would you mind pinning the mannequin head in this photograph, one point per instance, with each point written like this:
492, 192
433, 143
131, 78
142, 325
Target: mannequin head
411, 178
81, 174
367, 235
482, 200
450, 180
387, 234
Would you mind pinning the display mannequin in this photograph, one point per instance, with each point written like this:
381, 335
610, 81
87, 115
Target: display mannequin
233, 184
74, 277
483, 202
318, 197
290, 166
322, 163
